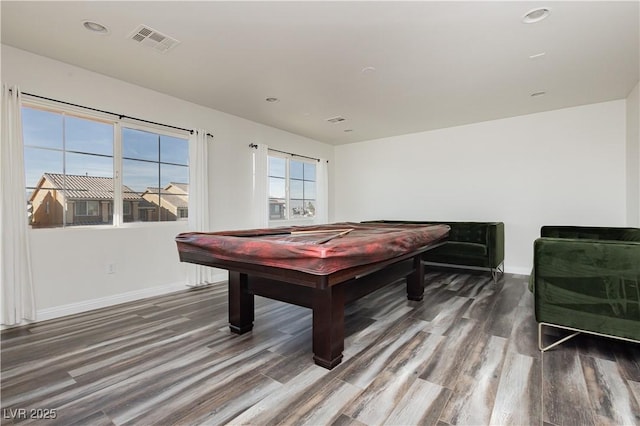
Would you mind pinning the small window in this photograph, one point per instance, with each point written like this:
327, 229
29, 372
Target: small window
87, 208
302, 193
292, 188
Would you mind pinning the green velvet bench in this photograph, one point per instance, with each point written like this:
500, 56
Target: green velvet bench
587, 280
470, 244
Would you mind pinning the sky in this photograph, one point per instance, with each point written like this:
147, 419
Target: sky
57, 143
302, 179
60, 143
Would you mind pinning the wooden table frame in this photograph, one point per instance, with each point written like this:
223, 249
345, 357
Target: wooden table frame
326, 295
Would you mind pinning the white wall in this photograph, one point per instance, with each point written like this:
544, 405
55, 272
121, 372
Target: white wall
633, 157
560, 167
69, 264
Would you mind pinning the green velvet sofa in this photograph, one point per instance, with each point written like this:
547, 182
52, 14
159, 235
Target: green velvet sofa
587, 279
470, 244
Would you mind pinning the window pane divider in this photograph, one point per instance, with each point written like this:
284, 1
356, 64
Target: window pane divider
67, 179
155, 162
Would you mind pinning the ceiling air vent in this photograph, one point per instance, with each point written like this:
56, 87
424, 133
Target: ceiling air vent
336, 119
155, 39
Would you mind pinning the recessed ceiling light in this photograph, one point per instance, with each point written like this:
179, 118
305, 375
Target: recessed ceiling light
95, 27
368, 70
536, 15
272, 100
537, 55
536, 94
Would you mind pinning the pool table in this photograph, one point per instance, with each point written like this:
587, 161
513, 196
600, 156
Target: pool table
321, 267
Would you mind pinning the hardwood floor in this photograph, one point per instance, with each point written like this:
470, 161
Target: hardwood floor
466, 355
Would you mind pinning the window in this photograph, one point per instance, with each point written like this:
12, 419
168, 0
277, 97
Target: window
70, 167
155, 175
292, 188
87, 208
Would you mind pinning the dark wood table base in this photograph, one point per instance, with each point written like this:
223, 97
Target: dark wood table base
327, 303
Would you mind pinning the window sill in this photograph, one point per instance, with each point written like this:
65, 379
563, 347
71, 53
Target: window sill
130, 225
292, 222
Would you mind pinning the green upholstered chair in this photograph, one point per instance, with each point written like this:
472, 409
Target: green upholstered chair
587, 279
470, 244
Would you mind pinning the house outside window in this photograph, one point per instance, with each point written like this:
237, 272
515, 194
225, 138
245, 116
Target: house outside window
155, 166
66, 153
292, 188
70, 167
277, 209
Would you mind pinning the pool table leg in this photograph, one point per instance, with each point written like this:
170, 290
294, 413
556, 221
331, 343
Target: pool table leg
415, 281
240, 303
328, 326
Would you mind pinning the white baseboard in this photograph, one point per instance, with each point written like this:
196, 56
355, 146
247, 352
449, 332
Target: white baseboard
517, 270
103, 302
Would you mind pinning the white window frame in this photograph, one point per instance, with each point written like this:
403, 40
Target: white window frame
288, 219
118, 124
84, 114
143, 128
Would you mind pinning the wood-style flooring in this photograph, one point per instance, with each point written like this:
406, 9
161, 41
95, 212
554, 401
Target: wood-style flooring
466, 355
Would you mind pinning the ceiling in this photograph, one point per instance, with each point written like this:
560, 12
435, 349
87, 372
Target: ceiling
388, 68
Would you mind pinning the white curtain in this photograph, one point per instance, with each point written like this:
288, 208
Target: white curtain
322, 194
199, 200
261, 186
18, 303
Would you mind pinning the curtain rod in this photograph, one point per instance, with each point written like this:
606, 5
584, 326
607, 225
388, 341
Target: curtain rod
121, 116
253, 145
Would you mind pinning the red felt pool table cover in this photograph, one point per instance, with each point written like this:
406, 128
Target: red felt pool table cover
366, 243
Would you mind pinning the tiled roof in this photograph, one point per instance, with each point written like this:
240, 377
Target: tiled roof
177, 200
182, 187
144, 204
88, 187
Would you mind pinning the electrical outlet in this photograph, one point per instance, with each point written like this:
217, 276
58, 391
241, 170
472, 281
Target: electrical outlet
110, 268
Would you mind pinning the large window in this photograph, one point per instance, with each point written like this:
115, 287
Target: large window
292, 188
70, 167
